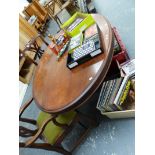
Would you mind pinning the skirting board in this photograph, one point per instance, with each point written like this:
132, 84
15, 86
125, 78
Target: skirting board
22, 91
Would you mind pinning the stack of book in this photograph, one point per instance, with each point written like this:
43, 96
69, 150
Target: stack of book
84, 46
114, 93
75, 42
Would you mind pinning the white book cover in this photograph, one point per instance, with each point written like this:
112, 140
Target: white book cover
122, 87
128, 70
128, 67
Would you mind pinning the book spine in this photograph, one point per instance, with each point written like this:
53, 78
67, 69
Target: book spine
126, 78
100, 96
121, 89
105, 94
114, 93
125, 93
108, 108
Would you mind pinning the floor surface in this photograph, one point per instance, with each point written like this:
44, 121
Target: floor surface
111, 137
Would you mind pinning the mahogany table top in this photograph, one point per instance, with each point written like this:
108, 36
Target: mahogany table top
57, 89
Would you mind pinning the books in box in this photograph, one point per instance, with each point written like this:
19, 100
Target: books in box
107, 95
115, 92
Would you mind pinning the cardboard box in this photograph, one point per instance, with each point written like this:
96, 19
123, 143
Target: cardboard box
120, 114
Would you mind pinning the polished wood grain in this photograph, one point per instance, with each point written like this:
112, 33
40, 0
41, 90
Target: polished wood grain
57, 89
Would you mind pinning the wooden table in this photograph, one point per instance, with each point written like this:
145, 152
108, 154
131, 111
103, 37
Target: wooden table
57, 89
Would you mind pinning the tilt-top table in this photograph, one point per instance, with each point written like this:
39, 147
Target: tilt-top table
57, 89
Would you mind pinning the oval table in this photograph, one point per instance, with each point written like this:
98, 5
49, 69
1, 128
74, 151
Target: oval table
57, 89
